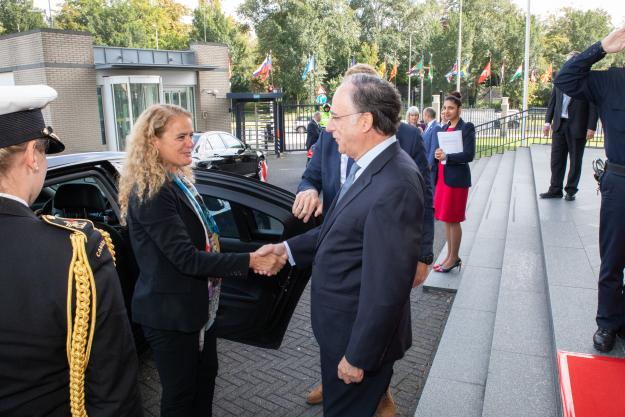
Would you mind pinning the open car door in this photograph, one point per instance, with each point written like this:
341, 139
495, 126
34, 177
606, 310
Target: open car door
249, 214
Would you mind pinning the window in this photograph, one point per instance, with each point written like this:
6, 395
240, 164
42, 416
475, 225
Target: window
183, 97
231, 141
222, 213
215, 142
101, 113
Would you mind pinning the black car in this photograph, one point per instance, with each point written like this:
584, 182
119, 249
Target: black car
221, 150
255, 311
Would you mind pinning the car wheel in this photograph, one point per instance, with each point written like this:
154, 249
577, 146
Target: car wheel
300, 129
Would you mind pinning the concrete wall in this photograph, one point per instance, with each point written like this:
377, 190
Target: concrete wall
64, 61
212, 110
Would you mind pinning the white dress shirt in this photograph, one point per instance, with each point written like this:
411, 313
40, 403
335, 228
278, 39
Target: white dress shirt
14, 198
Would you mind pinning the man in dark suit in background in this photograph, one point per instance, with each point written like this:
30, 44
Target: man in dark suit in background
313, 130
363, 266
430, 140
573, 121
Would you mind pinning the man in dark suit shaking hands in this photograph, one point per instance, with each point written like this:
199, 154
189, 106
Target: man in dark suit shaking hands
362, 253
572, 121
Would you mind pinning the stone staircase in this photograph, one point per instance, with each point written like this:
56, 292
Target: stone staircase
527, 289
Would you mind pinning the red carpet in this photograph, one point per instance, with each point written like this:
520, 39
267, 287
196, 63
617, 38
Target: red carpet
591, 386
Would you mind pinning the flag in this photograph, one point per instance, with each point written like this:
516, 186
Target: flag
450, 74
533, 75
412, 71
464, 71
264, 69
393, 73
229, 67
546, 77
417, 69
518, 73
430, 69
382, 69
310, 66
485, 74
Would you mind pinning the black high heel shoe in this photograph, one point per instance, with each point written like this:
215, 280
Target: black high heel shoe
457, 264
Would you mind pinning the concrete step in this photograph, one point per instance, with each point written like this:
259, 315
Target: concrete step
477, 168
521, 379
476, 205
570, 236
457, 378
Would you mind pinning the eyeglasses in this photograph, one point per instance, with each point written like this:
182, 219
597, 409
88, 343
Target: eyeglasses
335, 117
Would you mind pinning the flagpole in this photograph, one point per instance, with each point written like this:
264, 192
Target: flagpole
459, 56
526, 74
409, 68
421, 101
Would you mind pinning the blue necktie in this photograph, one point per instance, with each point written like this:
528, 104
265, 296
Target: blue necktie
348, 181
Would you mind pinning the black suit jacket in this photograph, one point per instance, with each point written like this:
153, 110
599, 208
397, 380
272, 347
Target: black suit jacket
313, 130
583, 115
362, 268
457, 171
34, 374
169, 244
323, 173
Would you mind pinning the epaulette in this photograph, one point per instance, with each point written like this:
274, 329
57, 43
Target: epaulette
85, 227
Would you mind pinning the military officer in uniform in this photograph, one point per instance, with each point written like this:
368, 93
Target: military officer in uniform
66, 347
605, 90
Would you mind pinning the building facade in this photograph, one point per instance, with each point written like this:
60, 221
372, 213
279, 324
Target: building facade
103, 90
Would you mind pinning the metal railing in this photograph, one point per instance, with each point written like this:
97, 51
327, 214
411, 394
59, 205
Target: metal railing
506, 133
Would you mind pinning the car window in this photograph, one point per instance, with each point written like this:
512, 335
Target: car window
204, 146
97, 206
215, 142
262, 226
231, 141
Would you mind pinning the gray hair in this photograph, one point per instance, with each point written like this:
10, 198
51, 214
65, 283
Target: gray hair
317, 113
371, 94
430, 112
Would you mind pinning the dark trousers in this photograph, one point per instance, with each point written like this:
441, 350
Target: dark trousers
352, 400
187, 375
563, 146
611, 305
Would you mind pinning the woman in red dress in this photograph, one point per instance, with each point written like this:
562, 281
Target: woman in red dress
453, 182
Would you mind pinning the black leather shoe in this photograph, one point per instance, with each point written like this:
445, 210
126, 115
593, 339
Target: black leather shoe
604, 339
569, 197
550, 195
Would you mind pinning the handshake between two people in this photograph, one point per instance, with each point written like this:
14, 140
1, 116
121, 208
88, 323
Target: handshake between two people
269, 259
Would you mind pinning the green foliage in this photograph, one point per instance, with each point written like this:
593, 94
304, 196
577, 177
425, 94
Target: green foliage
210, 24
19, 16
128, 23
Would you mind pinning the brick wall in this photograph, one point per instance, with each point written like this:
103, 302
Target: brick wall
62, 60
212, 111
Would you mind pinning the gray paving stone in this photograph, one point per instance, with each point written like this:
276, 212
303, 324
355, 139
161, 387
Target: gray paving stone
487, 253
521, 386
562, 234
569, 267
523, 271
464, 350
522, 324
447, 398
479, 289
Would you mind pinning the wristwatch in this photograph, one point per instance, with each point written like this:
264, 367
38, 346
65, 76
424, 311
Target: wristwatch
427, 259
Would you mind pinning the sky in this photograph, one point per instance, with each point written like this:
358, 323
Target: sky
616, 8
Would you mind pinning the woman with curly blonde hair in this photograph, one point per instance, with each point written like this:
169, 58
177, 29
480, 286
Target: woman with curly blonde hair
176, 243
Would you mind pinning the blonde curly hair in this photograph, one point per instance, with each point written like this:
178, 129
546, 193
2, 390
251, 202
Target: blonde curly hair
144, 172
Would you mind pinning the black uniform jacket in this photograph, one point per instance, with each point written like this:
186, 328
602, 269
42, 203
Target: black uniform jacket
34, 377
169, 244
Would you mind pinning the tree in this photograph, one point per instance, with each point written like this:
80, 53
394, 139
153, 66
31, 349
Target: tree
19, 16
128, 23
293, 30
210, 24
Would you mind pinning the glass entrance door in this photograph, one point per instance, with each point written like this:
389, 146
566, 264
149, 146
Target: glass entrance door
125, 98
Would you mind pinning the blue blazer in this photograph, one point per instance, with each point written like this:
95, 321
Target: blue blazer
457, 171
323, 173
362, 274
